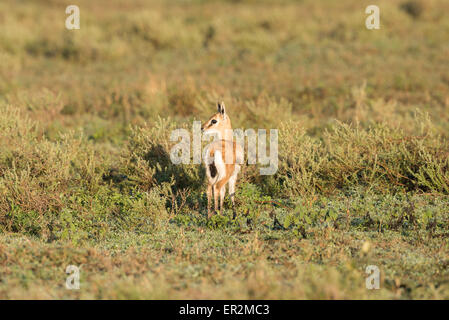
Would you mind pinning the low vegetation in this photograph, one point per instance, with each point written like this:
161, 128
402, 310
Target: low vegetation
86, 177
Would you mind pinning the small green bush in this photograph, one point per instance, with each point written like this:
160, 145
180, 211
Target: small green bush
379, 158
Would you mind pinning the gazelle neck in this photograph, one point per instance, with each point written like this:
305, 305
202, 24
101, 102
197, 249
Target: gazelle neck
226, 132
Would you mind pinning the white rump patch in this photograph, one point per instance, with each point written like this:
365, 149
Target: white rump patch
220, 165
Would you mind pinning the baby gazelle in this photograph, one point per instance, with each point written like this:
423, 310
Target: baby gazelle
222, 159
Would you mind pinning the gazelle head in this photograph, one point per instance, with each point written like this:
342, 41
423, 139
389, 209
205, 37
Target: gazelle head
219, 123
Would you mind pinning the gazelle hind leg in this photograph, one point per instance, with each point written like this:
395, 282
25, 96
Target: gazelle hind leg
209, 199
222, 196
216, 198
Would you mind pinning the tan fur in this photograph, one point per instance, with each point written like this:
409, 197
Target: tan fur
226, 173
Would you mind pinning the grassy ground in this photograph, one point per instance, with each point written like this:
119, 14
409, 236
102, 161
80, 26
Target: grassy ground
85, 177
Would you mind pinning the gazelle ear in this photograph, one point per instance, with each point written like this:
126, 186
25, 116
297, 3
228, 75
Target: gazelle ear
221, 108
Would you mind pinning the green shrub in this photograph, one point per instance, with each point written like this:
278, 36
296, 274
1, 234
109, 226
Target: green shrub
37, 175
379, 158
301, 161
148, 158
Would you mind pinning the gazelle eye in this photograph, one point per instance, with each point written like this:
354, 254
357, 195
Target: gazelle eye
214, 121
